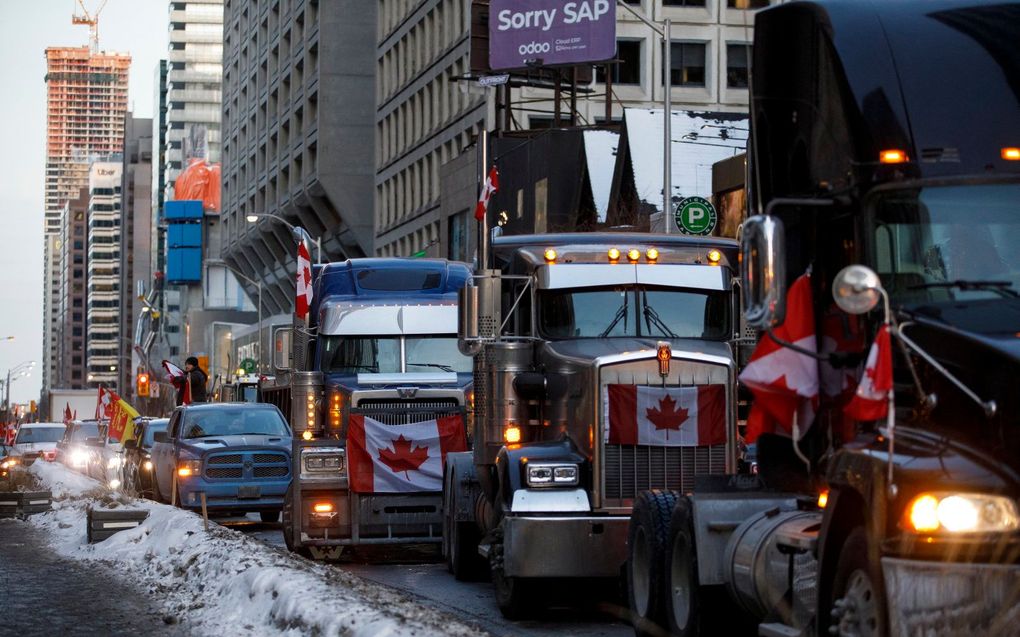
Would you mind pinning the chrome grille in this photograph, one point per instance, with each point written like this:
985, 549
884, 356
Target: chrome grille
268, 458
270, 472
405, 412
631, 469
223, 472
226, 459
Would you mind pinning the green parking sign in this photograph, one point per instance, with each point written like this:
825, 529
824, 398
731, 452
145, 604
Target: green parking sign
248, 365
695, 215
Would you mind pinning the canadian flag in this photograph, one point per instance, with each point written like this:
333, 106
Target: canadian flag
178, 376
104, 403
68, 417
871, 400
665, 416
395, 459
784, 381
491, 186
304, 281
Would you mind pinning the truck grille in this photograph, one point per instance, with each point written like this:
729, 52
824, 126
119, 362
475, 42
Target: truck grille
248, 465
267, 458
229, 459
631, 469
270, 472
223, 472
405, 412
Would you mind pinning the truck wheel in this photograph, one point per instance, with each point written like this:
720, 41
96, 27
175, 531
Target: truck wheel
513, 594
460, 540
269, 516
157, 495
287, 513
684, 595
646, 566
858, 598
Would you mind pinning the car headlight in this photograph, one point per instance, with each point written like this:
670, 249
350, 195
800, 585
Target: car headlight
324, 463
114, 462
959, 513
552, 475
79, 457
188, 468
8, 463
147, 465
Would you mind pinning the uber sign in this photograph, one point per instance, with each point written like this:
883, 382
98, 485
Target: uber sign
523, 33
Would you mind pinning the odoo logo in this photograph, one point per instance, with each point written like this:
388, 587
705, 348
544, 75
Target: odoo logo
532, 48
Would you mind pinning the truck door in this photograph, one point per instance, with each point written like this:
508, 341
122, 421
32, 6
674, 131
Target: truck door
163, 456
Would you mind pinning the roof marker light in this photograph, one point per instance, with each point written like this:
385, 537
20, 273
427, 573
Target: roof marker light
614, 255
714, 257
1011, 153
892, 156
652, 255
633, 255
550, 256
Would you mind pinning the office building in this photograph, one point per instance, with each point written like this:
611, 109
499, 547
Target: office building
73, 295
103, 304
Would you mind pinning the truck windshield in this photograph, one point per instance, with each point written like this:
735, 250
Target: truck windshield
382, 354
630, 311
39, 434
234, 422
948, 243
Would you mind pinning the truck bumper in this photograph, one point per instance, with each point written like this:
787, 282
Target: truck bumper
928, 598
223, 495
564, 546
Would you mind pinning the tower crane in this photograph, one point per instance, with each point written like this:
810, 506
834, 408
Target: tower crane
92, 20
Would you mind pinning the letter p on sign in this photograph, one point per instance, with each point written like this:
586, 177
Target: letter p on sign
695, 215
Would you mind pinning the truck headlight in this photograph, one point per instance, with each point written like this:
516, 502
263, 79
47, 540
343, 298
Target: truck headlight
958, 513
114, 462
188, 468
323, 463
147, 465
79, 457
552, 475
8, 463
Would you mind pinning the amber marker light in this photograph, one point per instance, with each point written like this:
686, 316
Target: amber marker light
614, 255
184, 472
512, 434
663, 355
923, 514
892, 156
714, 257
823, 499
1011, 153
633, 255
550, 256
652, 255
323, 507
306, 435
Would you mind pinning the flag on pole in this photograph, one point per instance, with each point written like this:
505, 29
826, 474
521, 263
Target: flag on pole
408, 458
177, 377
871, 400
122, 422
665, 416
104, 403
784, 381
68, 417
491, 186
304, 281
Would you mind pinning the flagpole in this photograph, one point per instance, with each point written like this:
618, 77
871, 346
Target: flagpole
483, 224
890, 416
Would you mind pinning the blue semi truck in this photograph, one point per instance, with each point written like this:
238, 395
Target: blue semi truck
375, 389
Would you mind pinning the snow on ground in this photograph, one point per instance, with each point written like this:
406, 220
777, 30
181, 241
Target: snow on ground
223, 582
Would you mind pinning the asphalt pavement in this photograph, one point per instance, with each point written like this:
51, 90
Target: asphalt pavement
42, 593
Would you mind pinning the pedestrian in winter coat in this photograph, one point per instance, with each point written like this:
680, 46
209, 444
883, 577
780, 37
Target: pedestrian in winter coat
193, 375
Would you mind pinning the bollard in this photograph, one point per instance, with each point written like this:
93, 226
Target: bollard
101, 524
205, 513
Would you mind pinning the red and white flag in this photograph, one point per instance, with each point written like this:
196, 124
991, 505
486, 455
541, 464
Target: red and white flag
104, 403
784, 381
871, 401
665, 416
303, 301
178, 376
395, 459
491, 186
68, 417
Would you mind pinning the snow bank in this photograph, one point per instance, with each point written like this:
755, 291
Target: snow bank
223, 582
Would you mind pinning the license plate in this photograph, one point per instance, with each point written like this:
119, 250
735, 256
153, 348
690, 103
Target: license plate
249, 492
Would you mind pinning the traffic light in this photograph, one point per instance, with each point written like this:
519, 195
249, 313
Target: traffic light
143, 384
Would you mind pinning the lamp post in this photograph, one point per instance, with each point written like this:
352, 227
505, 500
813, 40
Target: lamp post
665, 33
297, 230
20, 367
257, 284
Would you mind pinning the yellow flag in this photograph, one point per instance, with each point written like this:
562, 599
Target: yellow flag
122, 422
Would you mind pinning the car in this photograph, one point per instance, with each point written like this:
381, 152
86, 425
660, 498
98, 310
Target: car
137, 469
72, 450
105, 457
235, 454
33, 441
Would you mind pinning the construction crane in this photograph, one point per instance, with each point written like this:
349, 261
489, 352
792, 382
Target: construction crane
91, 19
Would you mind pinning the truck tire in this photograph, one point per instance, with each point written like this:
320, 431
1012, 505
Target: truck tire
287, 514
647, 538
858, 597
460, 539
514, 595
157, 495
269, 516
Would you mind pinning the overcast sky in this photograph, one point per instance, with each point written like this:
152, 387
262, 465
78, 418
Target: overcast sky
27, 27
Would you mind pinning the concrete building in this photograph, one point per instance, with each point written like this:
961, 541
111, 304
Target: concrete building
73, 294
194, 75
298, 122
135, 245
103, 304
86, 101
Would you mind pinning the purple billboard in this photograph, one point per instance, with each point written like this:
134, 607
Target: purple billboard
526, 33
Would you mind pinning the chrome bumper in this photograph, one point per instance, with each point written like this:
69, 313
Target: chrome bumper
951, 598
564, 546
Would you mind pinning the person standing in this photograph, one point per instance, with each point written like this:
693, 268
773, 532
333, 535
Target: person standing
193, 381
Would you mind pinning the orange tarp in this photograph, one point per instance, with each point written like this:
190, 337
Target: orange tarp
199, 181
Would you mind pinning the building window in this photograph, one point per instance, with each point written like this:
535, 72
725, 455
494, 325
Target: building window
628, 69
736, 65
747, 4
457, 249
687, 63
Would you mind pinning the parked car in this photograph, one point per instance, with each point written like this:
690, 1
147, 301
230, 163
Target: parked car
137, 470
72, 450
33, 441
237, 454
105, 457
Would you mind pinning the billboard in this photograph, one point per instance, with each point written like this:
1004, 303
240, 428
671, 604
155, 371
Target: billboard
525, 33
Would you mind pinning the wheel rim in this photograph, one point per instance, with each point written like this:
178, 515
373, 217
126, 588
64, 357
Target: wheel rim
639, 572
858, 610
680, 582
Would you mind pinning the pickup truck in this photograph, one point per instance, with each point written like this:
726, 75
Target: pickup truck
236, 454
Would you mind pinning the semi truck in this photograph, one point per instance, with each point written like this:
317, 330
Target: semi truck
375, 388
603, 367
883, 159
80, 401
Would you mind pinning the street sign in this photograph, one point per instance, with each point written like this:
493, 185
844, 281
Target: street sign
494, 80
248, 365
695, 215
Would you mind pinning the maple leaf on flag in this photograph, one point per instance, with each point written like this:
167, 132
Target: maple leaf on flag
668, 415
402, 458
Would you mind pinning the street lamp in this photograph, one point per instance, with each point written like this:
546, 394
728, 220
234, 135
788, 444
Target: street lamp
257, 284
25, 368
297, 230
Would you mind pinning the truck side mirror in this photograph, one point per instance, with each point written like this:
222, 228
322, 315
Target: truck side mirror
160, 436
763, 271
467, 320
282, 350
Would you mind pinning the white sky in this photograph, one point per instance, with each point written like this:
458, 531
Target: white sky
27, 27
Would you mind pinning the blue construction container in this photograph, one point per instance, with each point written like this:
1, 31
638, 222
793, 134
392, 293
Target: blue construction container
183, 210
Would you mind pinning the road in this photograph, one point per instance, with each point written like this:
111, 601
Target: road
419, 572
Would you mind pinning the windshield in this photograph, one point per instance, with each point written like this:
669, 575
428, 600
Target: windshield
382, 354
629, 311
948, 243
249, 394
85, 430
39, 434
234, 422
151, 428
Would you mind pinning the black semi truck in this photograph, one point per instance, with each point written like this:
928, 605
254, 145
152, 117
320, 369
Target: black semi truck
885, 159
